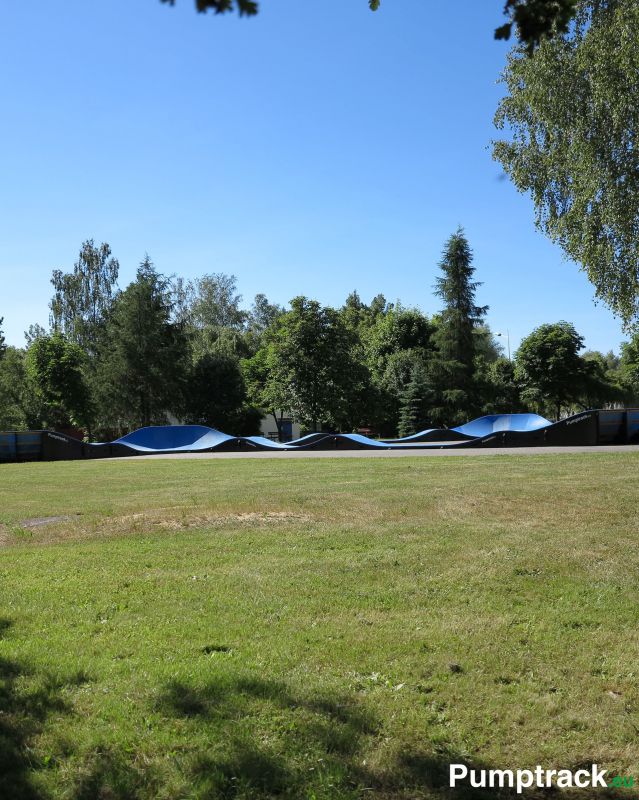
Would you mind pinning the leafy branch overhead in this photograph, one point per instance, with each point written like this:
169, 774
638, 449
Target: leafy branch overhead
244, 7
569, 120
535, 20
532, 20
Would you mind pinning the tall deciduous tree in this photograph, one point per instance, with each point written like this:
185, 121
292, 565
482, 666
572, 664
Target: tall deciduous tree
83, 297
572, 116
309, 367
396, 341
602, 385
262, 315
33, 332
360, 317
215, 303
549, 368
397, 330
55, 367
629, 368
209, 308
453, 365
20, 407
145, 354
261, 389
501, 390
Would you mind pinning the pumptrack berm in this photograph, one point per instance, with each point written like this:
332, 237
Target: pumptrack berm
593, 427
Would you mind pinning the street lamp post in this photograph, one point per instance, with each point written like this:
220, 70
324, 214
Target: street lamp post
507, 341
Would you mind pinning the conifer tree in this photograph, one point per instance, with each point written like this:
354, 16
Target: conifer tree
413, 401
145, 353
453, 366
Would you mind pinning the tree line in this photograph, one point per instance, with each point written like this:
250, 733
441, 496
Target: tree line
167, 348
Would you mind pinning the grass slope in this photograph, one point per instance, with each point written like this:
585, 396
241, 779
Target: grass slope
314, 628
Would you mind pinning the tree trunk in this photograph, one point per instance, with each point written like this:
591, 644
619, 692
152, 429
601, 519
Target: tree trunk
278, 423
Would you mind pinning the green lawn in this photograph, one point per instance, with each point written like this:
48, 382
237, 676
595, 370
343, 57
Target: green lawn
330, 628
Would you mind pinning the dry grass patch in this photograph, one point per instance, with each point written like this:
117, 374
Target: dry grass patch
77, 527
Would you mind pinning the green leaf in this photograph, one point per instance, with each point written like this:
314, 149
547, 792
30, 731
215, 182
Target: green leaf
503, 31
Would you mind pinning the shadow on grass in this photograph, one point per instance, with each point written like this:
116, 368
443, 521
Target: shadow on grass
264, 741
317, 752
309, 746
107, 773
23, 714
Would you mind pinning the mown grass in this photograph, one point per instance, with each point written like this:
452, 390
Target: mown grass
314, 628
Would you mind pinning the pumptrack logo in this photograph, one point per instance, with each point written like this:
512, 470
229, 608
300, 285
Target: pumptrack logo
578, 419
56, 437
539, 777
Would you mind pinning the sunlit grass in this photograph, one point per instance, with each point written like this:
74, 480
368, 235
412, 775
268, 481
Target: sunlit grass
314, 628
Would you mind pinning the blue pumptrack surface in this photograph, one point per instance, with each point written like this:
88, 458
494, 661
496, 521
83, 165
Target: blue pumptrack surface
493, 423
482, 426
267, 444
493, 430
198, 438
591, 427
174, 439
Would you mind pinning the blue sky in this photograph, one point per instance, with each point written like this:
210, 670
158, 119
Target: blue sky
315, 149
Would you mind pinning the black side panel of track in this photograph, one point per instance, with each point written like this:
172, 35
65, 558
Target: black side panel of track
60, 447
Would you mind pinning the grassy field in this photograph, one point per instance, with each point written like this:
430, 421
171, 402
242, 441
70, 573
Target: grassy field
315, 629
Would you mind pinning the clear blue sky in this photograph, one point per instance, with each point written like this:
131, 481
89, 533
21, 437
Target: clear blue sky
312, 150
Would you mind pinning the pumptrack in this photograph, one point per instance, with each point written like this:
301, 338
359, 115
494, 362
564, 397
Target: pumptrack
603, 426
